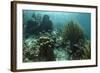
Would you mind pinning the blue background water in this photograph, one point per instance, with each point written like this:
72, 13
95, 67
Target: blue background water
61, 18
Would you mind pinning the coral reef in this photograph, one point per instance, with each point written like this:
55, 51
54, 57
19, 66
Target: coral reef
37, 24
41, 42
30, 50
46, 24
73, 39
46, 49
72, 32
31, 26
87, 50
41, 49
37, 44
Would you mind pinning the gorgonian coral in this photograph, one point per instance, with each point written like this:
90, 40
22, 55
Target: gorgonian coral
73, 38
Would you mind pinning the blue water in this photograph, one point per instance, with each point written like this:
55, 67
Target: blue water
59, 19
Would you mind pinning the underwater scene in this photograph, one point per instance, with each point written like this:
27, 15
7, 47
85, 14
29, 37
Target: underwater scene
56, 36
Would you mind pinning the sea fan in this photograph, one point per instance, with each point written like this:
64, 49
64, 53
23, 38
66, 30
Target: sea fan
73, 39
